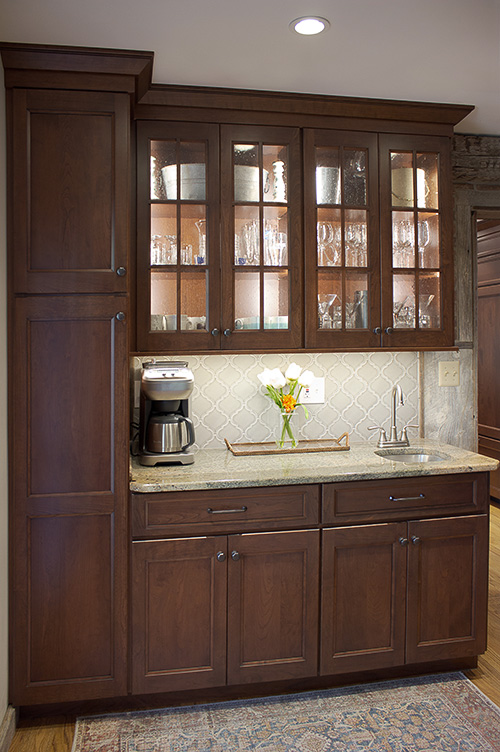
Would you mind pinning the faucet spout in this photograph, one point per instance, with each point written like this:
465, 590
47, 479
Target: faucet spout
397, 399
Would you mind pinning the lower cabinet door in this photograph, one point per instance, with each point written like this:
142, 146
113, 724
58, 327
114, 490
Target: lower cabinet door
178, 614
363, 597
273, 589
447, 588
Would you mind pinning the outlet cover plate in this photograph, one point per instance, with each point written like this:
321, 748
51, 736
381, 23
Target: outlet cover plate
449, 373
315, 394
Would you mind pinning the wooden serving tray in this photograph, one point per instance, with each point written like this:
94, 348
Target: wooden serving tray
308, 445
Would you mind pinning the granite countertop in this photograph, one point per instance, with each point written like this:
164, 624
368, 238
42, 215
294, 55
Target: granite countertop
219, 468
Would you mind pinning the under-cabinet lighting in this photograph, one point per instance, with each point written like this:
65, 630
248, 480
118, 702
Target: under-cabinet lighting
310, 25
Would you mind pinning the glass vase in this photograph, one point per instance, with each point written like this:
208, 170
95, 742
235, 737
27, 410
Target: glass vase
286, 430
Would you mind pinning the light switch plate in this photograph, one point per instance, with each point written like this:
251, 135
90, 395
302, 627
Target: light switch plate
449, 373
314, 394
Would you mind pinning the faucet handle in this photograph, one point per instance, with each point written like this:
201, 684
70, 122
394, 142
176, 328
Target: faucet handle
404, 435
382, 437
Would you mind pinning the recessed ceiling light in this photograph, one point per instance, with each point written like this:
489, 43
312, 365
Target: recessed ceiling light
310, 25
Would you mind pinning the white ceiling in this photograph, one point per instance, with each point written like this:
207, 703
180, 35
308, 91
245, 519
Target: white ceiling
429, 50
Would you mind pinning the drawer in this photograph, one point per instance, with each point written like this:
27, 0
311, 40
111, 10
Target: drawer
405, 498
225, 510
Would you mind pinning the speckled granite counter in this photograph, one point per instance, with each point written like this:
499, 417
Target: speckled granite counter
219, 468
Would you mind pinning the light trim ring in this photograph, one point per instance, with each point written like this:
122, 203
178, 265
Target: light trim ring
309, 25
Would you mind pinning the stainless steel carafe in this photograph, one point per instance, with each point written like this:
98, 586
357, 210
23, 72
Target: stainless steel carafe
169, 433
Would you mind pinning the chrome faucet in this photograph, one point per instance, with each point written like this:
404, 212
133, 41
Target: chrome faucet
397, 398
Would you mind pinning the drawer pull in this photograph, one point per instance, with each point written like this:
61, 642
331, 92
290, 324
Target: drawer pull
403, 541
226, 511
235, 556
221, 556
415, 540
407, 498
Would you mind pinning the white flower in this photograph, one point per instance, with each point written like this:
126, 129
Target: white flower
276, 378
264, 377
293, 372
306, 379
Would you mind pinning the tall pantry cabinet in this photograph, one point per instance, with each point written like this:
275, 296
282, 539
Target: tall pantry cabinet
69, 194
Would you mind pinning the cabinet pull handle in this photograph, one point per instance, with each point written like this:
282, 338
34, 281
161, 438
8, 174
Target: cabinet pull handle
120, 316
235, 556
403, 541
225, 511
121, 271
415, 539
227, 332
214, 332
221, 556
407, 498
389, 330
377, 330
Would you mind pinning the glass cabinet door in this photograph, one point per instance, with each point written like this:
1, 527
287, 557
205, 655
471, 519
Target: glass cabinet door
261, 231
417, 274
342, 260
178, 255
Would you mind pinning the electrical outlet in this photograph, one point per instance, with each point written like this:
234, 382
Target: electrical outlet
314, 394
449, 373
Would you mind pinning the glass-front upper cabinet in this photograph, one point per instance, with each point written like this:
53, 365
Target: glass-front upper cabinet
178, 294
417, 271
342, 289
261, 264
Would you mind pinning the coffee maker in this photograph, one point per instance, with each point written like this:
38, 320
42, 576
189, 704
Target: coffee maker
165, 429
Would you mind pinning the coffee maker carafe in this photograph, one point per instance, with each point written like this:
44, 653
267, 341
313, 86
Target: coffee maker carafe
166, 430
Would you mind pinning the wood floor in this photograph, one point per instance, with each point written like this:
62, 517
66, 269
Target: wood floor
55, 734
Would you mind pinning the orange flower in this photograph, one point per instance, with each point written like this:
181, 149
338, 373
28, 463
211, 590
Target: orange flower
289, 403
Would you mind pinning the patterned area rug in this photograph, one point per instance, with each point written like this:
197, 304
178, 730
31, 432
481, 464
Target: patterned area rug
444, 712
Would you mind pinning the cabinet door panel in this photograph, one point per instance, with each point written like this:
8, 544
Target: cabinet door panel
70, 191
363, 598
69, 499
178, 614
273, 606
447, 588
416, 241
342, 239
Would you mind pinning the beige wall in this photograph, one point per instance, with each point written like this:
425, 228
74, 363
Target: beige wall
3, 414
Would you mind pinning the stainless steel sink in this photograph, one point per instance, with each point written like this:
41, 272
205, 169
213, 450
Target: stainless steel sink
409, 455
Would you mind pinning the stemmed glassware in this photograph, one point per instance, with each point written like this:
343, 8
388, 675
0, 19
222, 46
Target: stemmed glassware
423, 241
325, 300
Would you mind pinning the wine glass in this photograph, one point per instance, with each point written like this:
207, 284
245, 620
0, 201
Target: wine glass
423, 241
325, 300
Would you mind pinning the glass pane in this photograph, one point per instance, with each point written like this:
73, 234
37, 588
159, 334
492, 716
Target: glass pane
193, 234
329, 237
329, 301
404, 301
163, 300
162, 153
246, 235
429, 301
356, 238
356, 301
428, 241
355, 177
163, 234
276, 300
246, 172
403, 240
192, 157
402, 178
275, 161
246, 300
193, 301
275, 236
327, 175
427, 181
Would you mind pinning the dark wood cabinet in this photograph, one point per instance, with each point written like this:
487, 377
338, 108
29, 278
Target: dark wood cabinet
399, 592
181, 610
69, 498
219, 246
70, 191
488, 319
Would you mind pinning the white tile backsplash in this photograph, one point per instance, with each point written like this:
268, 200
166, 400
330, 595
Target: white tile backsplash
229, 401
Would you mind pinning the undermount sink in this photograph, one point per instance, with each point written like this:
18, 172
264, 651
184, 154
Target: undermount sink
409, 455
